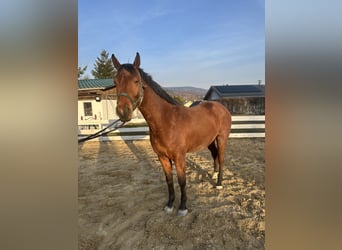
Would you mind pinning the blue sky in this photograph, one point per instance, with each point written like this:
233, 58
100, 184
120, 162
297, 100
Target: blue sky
195, 43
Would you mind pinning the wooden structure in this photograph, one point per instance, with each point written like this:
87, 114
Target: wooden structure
239, 99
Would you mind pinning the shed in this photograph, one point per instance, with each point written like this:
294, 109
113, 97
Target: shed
92, 88
239, 99
96, 99
227, 91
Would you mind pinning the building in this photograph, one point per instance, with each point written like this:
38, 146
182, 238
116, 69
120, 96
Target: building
96, 99
239, 99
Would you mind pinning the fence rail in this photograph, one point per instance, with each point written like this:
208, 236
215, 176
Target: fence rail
137, 129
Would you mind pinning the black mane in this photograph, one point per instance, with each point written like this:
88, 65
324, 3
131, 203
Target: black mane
155, 86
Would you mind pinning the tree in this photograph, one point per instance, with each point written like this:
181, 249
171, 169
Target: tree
81, 71
103, 67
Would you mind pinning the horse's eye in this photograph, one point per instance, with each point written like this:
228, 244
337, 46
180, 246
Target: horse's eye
136, 82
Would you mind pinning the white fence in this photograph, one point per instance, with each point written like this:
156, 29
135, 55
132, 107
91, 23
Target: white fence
137, 129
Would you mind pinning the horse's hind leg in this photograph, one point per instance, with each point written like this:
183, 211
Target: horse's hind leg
214, 153
221, 147
167, 167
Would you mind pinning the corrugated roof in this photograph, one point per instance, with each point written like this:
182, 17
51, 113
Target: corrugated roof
236, 90
239, 89
95, 83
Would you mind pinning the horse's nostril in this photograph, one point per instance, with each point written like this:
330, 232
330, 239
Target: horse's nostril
125, 113
127, 110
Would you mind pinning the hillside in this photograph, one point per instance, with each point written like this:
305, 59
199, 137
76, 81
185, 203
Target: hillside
187, 93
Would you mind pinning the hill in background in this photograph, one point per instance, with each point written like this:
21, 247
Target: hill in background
187, 93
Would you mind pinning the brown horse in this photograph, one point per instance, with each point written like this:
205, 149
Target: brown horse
174, 129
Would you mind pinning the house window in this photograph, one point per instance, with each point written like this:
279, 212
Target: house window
88, 111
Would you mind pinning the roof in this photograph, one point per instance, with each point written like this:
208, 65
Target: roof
95, 84
235, 91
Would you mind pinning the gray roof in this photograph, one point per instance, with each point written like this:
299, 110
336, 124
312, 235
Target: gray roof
236, 91
95, 84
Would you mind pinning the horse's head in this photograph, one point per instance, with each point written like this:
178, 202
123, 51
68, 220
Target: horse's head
129, 87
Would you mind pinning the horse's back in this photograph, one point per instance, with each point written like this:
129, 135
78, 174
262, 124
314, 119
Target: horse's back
215, 111
201, 124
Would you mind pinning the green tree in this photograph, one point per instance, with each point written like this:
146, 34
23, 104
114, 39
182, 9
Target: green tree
103, 67
81, 71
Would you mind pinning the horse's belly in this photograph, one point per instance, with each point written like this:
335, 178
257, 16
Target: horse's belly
199, 143
188, 142
197, 148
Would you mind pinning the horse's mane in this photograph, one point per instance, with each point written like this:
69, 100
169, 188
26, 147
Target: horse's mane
148, 79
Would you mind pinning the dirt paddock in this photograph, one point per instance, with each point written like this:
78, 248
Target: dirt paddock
122, 193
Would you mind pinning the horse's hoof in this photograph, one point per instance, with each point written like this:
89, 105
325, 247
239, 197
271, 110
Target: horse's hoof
168, 210
219, 187
182, 212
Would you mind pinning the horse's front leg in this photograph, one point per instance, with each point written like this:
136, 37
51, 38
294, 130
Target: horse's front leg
167, 167
180, 167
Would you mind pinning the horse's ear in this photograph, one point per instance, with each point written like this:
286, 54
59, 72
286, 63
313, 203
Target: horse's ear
115, 62
136, 63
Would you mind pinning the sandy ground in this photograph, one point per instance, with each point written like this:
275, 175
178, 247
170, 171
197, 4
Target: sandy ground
122, 193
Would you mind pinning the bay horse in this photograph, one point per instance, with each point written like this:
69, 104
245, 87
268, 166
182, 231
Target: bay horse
174, 129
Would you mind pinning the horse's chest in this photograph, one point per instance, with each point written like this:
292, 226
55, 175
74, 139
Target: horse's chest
161, 144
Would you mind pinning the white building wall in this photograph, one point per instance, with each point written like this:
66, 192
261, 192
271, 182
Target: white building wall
104, 110
109, 107
96, 108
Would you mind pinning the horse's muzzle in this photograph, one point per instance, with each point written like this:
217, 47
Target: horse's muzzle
124, 113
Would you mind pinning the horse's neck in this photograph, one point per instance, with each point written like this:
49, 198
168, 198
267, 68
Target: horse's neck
154, 108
